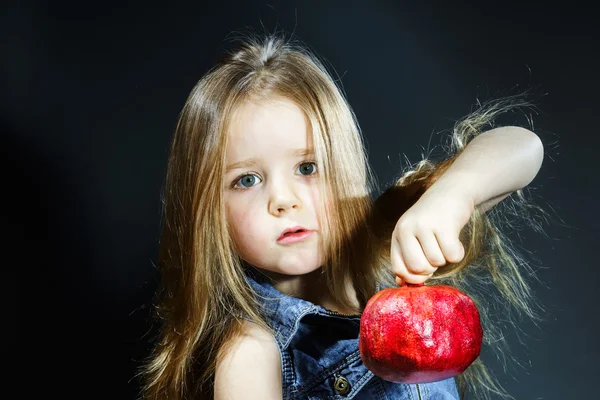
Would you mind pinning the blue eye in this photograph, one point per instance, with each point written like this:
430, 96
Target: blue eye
246, 181
312, 168
249, 180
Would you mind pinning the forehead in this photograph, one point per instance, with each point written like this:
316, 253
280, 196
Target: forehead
267, 128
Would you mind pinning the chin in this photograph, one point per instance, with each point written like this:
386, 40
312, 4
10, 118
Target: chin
300, 270
286, 262
291, 268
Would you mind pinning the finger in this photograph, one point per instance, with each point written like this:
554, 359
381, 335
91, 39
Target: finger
431, 249
451, 247
419, 279
398, 265
416, 279
415, 261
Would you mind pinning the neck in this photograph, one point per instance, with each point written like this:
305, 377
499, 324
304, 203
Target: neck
312, 287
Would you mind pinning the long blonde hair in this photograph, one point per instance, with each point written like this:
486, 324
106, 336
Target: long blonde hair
203, 290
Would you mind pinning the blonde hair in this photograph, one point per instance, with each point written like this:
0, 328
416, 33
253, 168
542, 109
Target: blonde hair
203, 290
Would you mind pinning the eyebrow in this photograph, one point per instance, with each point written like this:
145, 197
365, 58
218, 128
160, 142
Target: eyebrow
252, 161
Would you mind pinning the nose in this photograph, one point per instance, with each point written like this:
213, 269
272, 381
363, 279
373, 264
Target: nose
283, 198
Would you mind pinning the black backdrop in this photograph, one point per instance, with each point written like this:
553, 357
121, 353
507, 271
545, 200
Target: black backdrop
90, 95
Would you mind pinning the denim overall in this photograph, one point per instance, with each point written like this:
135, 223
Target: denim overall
320, 357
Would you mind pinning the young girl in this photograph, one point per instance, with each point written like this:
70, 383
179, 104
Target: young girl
272, 242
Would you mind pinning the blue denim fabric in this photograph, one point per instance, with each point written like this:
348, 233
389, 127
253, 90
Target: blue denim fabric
319, 349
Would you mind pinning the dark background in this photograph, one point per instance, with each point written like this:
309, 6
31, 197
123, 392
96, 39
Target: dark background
90, 95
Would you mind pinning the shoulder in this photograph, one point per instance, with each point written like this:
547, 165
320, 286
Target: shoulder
250, 367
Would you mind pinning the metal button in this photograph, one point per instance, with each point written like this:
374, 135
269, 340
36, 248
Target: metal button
342, 386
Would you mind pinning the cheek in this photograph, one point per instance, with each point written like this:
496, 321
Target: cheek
236, 220
242, 226
317, 204
321, 204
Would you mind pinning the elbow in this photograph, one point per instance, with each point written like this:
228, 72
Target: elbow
537, 153
533, 152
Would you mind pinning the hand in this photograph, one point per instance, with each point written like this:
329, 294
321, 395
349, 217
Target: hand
426, 237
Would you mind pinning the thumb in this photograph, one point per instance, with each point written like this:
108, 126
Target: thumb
399, 281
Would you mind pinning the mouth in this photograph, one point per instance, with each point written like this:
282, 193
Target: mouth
294, 234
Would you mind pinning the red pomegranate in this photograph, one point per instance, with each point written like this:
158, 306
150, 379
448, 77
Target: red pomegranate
419, 334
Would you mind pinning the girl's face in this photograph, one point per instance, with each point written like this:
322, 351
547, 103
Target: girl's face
271, 185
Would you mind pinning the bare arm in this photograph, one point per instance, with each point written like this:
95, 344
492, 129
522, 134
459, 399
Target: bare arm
495, 164
251, 368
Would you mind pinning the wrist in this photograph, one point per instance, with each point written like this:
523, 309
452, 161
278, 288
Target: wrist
457, 186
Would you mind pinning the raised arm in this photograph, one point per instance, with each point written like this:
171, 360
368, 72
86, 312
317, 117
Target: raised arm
493, 165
